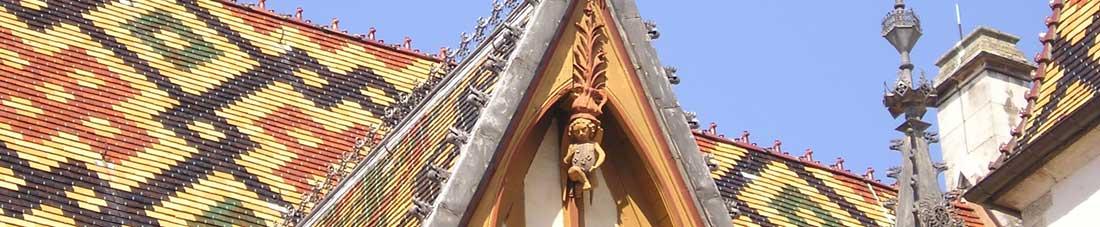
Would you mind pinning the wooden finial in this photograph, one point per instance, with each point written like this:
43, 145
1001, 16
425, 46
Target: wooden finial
298, 14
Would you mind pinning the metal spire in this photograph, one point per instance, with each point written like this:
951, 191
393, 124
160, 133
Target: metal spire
920, 201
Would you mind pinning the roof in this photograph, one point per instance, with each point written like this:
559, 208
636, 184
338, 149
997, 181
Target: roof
1066, 78
384, 194
164, 113
1066, 81
1060, 106
407, 171
768, 187
427, 172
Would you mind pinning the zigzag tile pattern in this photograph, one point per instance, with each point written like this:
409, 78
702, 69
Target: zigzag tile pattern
177, 112
386, 195
1070, 75
769, 189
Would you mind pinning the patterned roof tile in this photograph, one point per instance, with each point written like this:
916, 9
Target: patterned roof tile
766, 188
178, 113
1066, 78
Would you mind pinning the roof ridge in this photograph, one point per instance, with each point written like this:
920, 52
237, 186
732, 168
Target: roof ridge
805, 160
1043, 58
404, 48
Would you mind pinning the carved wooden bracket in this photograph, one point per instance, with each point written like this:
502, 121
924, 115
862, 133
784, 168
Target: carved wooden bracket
582, 141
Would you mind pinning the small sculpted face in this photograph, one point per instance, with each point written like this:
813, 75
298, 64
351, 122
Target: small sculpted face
584, 130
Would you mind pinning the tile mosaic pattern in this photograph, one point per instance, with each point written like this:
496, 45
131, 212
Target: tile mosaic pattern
763, 188
177, 112
386, 195
1069, 68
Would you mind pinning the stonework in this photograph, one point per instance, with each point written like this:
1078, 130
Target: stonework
981, 85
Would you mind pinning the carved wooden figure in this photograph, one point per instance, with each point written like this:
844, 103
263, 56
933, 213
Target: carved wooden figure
583, 154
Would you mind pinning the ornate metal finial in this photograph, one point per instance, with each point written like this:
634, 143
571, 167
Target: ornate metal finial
298, 13
456, 136
407, 44
692, 120
261, 4
920, 200
488, 24
651, 29
477, 97
712, 129
745, 136
335, 25
670, 73
777, 146
420, 209
371, 32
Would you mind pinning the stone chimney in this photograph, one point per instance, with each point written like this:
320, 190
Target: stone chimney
982, 83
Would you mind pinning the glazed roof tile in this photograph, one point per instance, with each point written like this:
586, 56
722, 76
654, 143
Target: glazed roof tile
386, 194
166, 113
768, 188
1065, 83
407, 172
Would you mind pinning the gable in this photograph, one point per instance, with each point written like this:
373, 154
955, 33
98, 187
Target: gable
588, 52
174, 113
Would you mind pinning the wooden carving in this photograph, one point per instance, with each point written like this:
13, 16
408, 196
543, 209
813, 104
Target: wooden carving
583, 151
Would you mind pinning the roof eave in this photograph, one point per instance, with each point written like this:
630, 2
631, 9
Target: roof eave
1030, 157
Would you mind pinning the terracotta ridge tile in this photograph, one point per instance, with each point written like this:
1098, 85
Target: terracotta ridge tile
352, 37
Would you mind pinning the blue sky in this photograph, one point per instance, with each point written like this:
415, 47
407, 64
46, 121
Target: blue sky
807, 72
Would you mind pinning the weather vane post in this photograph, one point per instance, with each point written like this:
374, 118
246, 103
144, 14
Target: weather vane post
920, 201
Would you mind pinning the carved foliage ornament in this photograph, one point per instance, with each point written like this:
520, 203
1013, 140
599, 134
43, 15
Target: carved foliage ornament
937, 212
587, 92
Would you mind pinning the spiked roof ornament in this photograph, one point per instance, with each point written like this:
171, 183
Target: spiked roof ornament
920, 201
902, 28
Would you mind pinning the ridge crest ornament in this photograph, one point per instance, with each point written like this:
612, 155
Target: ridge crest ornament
583, 153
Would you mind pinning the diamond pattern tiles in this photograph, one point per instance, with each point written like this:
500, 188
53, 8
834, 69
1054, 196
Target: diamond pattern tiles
177, 112
386, 195
1069, 73
762, 188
